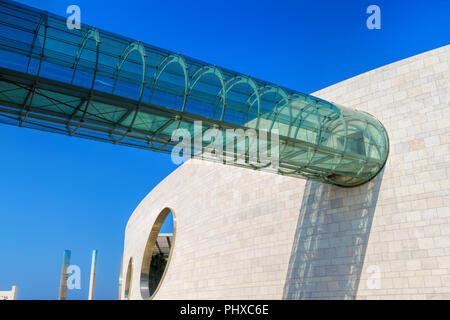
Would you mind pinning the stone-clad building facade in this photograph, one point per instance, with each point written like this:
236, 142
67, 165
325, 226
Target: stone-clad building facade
242, 234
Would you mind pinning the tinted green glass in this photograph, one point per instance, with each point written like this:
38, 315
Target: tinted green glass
94, 84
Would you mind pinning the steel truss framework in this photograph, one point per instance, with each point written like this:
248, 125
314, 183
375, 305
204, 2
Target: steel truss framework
93, 84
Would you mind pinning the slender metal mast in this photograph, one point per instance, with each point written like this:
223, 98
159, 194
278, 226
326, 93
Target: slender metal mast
93, 272
64, 276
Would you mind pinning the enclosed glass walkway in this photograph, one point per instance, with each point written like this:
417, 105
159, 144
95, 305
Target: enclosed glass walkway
93, 84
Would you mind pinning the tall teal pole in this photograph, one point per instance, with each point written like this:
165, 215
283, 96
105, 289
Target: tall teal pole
64, 276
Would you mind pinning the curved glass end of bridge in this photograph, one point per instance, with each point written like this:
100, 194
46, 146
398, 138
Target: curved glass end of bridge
93, 84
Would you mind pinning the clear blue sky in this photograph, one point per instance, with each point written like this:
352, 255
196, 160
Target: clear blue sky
59, 192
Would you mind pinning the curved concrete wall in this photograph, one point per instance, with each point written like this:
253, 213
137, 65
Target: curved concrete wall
243, 234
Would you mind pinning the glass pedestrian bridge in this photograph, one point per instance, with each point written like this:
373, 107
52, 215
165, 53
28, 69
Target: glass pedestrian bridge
94, 84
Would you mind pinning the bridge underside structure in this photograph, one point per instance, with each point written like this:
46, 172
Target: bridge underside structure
93, 84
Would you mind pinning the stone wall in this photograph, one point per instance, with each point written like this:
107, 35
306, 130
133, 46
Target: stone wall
243, 234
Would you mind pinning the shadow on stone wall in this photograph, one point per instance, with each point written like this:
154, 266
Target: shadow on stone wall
330, 241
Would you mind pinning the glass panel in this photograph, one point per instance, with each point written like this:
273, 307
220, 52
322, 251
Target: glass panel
93, 84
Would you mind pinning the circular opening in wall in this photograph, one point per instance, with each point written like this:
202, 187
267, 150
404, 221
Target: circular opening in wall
158, 252
128, 279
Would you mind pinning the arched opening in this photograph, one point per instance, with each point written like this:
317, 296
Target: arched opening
158, 252
128, 279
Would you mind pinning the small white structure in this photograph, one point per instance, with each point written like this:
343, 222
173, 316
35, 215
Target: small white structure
9, 295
